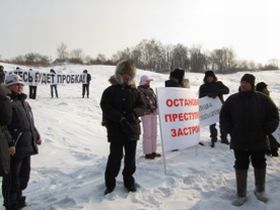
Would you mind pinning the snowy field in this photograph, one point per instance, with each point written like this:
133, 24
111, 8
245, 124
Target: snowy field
69, 171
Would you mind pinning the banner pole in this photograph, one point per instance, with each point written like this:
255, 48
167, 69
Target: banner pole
161, 138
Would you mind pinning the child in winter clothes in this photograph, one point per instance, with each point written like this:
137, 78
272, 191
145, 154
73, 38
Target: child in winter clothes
149, 119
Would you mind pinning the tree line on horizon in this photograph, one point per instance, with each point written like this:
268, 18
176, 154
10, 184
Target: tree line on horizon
154, 56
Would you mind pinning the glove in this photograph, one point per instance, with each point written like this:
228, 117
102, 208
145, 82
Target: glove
126, 128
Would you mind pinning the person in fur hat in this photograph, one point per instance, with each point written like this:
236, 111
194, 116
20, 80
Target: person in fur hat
122, 105
214, 88
249, 116
176, 78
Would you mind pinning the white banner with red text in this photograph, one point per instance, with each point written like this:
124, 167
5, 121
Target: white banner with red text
178, 117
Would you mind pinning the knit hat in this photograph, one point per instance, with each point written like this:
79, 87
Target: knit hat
250, 78
144, 79
13, 79
261, 86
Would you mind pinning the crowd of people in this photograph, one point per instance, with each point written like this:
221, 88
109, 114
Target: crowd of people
53, 87
247, 120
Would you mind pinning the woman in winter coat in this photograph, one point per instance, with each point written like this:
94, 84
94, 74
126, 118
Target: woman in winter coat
214, 88
25, 139
149, 120
122, 105
249, 116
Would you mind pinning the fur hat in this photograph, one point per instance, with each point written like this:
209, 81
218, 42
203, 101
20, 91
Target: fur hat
13, 79
178, 74
261, 86
144, 79
125, 67
209, 74
250, 78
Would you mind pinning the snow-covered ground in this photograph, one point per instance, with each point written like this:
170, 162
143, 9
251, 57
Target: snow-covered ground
69, 171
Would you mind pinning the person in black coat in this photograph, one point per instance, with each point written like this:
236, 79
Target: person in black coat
176, 78
214, 88
122, 105
25, 139
249, 116
86, 86
53, 86
5, 137
273, 144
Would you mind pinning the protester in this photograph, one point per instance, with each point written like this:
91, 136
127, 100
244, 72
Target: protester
176, 78
86, 86
53, 86
2, 74
273, 144
5, 138
122, 105
32, 88
214, 88
249, 116
149, 119
25, 139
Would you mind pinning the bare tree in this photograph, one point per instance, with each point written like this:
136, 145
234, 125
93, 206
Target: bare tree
62, 53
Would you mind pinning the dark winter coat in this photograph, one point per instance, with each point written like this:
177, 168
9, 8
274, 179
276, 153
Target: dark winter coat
120, 101
5, 138
172, 83
22, 128
249, 117
149, 97
213, 89
88, 78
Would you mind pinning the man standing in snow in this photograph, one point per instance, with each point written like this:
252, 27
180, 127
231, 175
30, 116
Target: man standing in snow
86, 86
25, 139
214, 88
249, 116
122, 105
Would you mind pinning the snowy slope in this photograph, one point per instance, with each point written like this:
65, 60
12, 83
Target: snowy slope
69, 171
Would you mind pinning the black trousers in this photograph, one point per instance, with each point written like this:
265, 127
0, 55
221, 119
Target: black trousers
243, 159
85, 90
16, 181
214, 133
54, 89
32, 91
114, 163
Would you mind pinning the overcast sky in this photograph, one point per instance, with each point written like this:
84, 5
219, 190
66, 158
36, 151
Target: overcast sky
250, 27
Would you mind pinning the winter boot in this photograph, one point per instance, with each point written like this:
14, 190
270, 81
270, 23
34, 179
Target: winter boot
241, 185
260, 184
213, 141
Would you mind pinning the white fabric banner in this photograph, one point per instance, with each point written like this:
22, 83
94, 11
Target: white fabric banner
209, 110
40, 78
178, 117
276, 133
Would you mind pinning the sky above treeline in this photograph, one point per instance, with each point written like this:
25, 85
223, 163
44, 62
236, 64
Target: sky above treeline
249, 27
